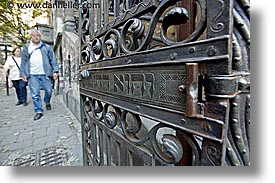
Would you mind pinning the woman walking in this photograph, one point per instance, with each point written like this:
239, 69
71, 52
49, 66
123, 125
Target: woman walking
13, 65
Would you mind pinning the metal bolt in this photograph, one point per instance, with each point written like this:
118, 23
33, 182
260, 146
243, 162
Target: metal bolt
206, 127
235, 120
243, 84
181, 88
192, 50
173, 56
85, 74
183, 121
235, 104
212, 51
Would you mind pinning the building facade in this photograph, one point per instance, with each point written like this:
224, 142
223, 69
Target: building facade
66, 48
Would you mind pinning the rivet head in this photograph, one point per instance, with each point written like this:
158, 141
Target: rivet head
183, 121
192, 50
173, 56
235, 104
181, 88
238, 137
206, 127
212, 51
85, 74
235, 120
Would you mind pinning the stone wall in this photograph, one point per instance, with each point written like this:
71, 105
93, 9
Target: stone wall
70, 50
66, 47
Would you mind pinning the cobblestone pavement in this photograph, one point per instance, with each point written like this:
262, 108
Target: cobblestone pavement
54, 140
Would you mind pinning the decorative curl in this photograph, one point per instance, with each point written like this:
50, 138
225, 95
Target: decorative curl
111, 43
97, 109
174, 15
171, 151
111, 118
86, 54
96, 50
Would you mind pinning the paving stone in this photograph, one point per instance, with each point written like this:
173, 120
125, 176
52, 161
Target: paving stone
25, 136
9, 139
40, 132
21, 137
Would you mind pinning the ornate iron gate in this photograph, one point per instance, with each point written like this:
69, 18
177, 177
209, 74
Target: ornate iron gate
165, 82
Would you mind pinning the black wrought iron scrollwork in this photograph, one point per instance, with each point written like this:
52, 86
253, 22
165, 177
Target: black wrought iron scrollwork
85, 26
133, 37
91, 51
172, 147
127, 14
96, 51
180, 16
85, 23
111, 118
96, 46
165, 145
134, 26
137, 28
84, 9
86, 107
154, 20
132, 127
87, 126
86, 56
111, 43
175, 16
97, 109
171, 150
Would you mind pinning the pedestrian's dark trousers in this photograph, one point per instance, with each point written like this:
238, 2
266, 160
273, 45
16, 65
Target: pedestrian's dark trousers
21, 90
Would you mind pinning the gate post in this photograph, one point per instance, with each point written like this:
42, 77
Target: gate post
227, 84
219, 23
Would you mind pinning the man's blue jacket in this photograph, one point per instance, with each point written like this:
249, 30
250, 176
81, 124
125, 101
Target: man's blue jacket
49, 62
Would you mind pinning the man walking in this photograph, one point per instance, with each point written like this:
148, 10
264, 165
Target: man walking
38, 67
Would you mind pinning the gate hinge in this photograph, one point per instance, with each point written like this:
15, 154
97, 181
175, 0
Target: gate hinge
226, 86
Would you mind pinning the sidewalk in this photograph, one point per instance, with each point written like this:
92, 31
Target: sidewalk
54, 140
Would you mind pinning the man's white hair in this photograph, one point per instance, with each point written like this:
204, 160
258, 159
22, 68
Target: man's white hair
35, 31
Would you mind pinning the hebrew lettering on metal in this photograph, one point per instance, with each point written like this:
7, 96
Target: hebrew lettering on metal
156, 87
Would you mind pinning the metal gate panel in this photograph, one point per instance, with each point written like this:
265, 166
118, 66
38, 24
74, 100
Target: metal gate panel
152, 97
